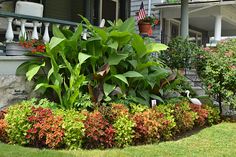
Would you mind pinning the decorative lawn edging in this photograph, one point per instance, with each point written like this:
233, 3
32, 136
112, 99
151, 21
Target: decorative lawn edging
115, 125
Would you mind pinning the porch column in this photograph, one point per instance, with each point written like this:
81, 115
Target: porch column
184, 19
217, 35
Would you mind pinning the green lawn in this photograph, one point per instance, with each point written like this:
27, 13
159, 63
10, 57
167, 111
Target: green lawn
216, 141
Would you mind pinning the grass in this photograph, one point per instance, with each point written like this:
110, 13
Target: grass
216, 141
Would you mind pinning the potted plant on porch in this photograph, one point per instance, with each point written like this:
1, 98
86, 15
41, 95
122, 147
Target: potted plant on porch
25, 47
145, 25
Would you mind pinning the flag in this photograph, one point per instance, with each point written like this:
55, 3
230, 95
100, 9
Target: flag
141, 12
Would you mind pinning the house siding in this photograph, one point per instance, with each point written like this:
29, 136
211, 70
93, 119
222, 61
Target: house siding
135, 5
134, 8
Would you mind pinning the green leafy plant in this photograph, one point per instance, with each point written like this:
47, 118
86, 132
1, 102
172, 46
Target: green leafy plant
137, 108
120, 63
168, 121
45, 103
61, 63
213, 115
179, 53
73, 127
124, 131
184, 117
18, 124
219, 73
114, 61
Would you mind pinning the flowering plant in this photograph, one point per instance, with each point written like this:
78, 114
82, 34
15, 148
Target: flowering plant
34, 45
153, 20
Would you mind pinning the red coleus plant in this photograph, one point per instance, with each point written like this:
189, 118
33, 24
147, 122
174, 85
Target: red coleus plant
98, 132
202, 114
34, 45
46, 130
3, 133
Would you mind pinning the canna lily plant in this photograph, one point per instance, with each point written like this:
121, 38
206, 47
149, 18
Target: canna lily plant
113, 62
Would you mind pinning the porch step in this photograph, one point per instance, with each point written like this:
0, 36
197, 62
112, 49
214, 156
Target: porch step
199, 91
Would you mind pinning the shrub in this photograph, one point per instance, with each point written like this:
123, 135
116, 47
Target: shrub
147, 126
213, 115
202, 114
119, 110
184, 117
124, 131
134, 108
3, 133
179, 53
220, 71
98, 132
18, 124
168, 121
73, 127
45, 103
113, 111
46, 128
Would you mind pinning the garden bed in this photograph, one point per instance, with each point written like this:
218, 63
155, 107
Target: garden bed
217, 141
41, 124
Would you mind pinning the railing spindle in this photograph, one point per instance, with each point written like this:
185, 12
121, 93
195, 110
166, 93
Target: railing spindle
46, 37
22, 31
9, 33
35, 32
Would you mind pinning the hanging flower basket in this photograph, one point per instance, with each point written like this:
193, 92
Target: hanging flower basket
146, 24
145, 28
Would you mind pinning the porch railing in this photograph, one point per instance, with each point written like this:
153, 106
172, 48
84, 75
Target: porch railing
46, 22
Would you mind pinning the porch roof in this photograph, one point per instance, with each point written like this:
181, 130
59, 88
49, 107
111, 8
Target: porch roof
202, 15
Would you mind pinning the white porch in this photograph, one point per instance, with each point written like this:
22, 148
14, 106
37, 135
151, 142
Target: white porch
215, 18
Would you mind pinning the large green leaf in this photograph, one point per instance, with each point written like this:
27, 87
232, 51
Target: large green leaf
157, 98
102, 33
23, 68
121, 37
55, 42
33, 70
108, 88
156, 47
56, 88
57, 32
138, 45
77, 35
132, 74
128, 25
122, 78
115, 58
113, 45
83, 57
134, 63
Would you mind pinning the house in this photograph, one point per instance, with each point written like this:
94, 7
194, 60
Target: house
209, 20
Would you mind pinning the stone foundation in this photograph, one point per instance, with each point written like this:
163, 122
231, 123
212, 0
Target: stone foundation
14, 89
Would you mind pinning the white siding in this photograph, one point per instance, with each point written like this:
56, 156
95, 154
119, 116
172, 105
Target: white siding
134, 7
